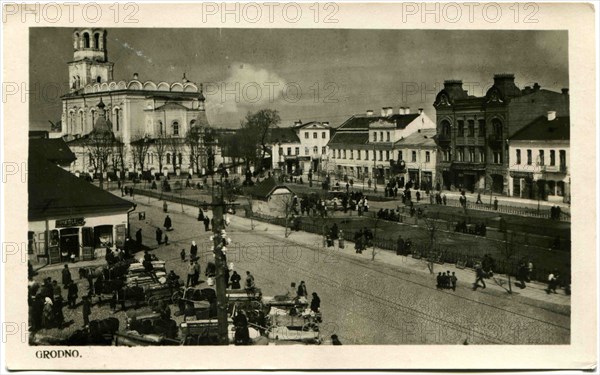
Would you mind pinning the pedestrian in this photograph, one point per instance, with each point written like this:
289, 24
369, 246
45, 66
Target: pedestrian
59, 317
158, 236
438, 280
182, 254
235, 280
190, 274
479, 201
166, 240
165, 206
453, 281
480, 275
250, 283
48, 314
56, 291
552, 282
334, 338
206, 223
444, 199
529, 270
37, 312
72, 294
167, 224
66, 276
138, 238
315, 304
341, 241
302, 292
495, 204
86, 311
193, 250
400, 246
196, 280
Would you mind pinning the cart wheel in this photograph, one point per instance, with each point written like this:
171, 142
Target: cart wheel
176, 297
310, 327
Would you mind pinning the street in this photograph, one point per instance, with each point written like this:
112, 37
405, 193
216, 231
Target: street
363, 301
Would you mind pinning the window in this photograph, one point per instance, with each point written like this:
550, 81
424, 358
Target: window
333, 154
460, 154
315, 150
315, 135
374, 157
351, 154
306, 151
180, 158
374, 136
98, 79
472, 155
339, 154
427, 157
297, 151
175, 128
461, 128
413, 156
344, 154
305, 135
481, 130
280, 150
562, 154
358, 154
471, 128
541, 157
96, 40
387, 155
528, 157
169, 158
560, 188
400, 156
387, 136
160, 125
518, 157
117, 118
323, 135
381, 136
497, 128
482, 155
86, 40
445, 128
324, 150
497, 157
289, 150
552, 157
380, 155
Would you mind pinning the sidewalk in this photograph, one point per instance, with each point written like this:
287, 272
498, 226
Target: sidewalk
535, 292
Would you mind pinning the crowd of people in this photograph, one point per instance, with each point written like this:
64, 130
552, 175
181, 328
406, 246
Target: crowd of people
445, 280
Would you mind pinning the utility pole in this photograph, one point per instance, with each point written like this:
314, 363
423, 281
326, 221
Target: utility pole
218, 224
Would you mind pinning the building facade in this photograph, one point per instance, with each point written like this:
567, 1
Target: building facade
364, 146
135, 110
473, 132
301, 148
539, 160
417, 155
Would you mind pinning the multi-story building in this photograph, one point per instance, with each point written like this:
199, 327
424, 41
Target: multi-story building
300, 148
417, 157
364, 146
539, 159
473, 132
147, 112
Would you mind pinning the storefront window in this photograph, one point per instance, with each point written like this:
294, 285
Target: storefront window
103, 236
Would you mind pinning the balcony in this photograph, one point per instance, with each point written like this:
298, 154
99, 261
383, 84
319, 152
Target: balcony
554, 168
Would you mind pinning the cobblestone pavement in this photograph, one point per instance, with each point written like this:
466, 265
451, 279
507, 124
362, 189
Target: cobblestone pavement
389, 300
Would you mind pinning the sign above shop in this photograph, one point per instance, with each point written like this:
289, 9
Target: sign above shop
72, 222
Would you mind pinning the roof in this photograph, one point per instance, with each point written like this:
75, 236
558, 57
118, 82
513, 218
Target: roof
54, 192
172, 106
54, 150
421, 138
263, 189
349, 138
283, 135
541, 129
363, 121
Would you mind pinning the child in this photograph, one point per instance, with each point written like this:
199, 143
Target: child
182, 255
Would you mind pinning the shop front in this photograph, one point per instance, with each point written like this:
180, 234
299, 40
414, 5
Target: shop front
76, 238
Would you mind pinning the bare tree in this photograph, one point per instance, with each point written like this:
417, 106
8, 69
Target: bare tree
432, 224
100, 147
253, 136
194, 141
160, 145
139, 149
175, 149
118, 156
508, 251
288, 212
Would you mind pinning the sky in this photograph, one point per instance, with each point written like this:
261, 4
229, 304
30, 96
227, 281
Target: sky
305, 74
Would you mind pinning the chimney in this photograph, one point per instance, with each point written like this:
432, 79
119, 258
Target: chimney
565, 91
389, 111
451, 83
369, 112
326, 123
504, 77
135, 76
420, 111
536, 86
299, 122
551, 115
407, 110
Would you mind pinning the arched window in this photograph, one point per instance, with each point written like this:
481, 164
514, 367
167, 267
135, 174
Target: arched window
93, 113
497, 128
98, 79
76, 41
96, 40
168, 158
86, 40
192, 123
175, 128
445, 128
117, 118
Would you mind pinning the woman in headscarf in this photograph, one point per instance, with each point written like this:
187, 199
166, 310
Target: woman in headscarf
48, 313
315, 304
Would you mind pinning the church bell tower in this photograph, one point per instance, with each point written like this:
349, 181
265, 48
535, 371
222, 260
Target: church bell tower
90, 61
